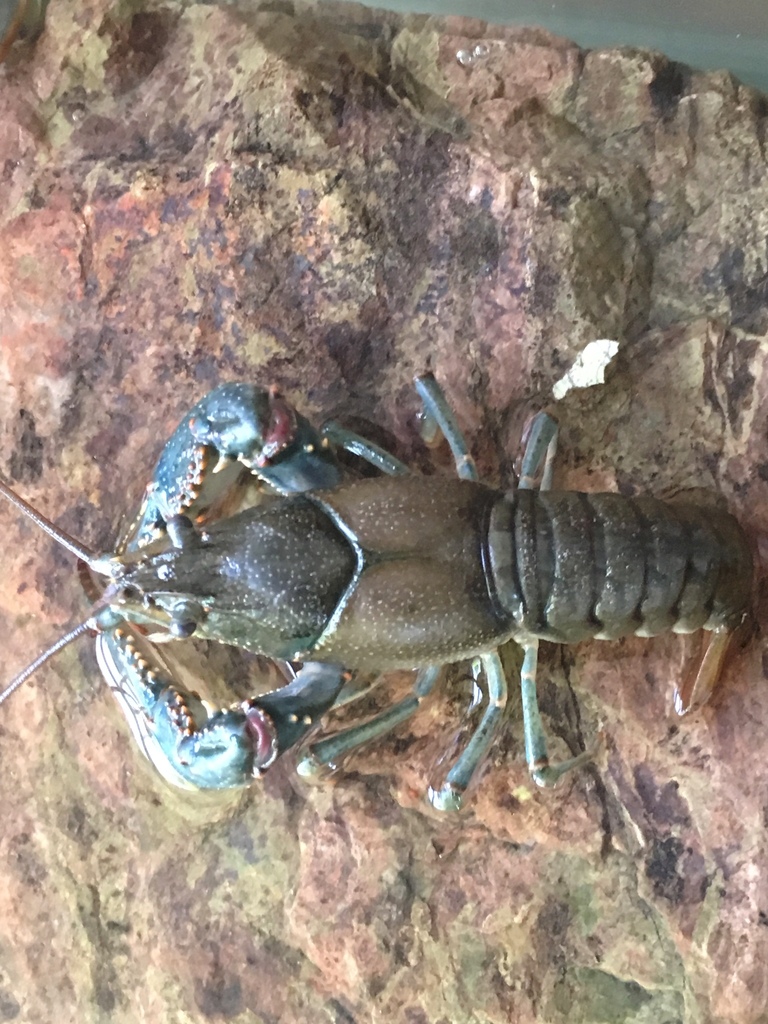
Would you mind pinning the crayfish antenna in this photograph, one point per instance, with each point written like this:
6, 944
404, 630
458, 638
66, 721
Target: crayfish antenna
90, 625
96, 562
102, 564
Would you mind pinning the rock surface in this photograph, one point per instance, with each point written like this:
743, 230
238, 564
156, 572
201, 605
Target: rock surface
330, 199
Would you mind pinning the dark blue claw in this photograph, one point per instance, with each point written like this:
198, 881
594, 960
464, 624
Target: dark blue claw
265, 433
297, 707
194, 746
234, 428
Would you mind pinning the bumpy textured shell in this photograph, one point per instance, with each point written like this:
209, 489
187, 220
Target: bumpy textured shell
570, 566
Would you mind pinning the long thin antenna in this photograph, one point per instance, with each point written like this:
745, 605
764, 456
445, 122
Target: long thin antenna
53, 531
15, 683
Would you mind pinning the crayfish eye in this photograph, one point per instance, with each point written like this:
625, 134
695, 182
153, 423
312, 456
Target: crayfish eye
182, 630
186, 616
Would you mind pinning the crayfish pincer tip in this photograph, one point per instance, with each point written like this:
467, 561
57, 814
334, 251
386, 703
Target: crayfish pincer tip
447, 799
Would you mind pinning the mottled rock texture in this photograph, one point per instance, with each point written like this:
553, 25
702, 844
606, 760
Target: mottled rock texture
328, 199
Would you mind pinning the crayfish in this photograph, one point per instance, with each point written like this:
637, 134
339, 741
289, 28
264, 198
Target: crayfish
394, 571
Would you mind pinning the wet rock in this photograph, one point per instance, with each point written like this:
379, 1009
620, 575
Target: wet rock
333, 199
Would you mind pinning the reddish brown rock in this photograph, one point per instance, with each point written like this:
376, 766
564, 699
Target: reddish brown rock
331, 200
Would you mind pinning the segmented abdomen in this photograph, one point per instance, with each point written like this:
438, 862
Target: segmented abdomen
568, 566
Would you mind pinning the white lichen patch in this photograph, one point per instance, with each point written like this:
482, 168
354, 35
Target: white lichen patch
589, 368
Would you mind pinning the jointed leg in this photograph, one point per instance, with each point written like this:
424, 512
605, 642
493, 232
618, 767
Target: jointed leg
325, 753
354, 443
438, 414
539, 455
450, 796
542, 772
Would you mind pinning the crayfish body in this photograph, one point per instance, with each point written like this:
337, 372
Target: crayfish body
396, 571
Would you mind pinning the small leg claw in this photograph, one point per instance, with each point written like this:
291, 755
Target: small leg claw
548, 775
